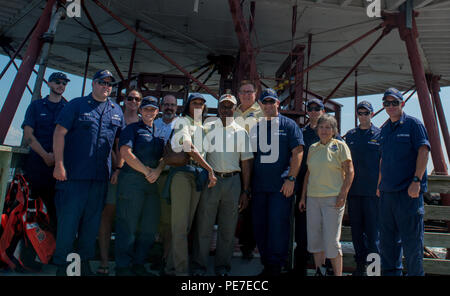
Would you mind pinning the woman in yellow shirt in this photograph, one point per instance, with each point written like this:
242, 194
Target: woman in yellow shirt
327, 182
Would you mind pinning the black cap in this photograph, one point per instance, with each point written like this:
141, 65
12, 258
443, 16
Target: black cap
58, 75
103, 74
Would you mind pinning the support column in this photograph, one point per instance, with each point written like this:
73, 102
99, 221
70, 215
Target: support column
435, 89
48, 39
16, 91
86, 68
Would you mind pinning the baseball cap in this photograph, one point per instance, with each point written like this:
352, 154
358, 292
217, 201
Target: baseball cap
268, 93
315, 101
393, 92
228, 97
365, 105
58, 75
196, 96
149, 101
103, 74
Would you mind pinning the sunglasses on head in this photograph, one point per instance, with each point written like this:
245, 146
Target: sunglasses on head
130, 99
318, 108
58, 82
389, 103
365, 113
270, 102
104, 83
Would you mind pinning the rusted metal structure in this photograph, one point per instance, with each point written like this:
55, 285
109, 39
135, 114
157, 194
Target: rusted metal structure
247, 58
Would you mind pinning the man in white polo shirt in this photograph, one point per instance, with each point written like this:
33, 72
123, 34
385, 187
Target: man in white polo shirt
228, 153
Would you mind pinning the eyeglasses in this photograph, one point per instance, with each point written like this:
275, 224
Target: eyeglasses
169, 105
58, 82
389, 103
366, 113
270, 102
104, 83
247, 92
130, 98
318, 108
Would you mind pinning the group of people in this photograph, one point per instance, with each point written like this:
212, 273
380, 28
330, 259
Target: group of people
96, 164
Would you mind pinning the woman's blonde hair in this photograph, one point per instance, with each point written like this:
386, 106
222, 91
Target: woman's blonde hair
327, 118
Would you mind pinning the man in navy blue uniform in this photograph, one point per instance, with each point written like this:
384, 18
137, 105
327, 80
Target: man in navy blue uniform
402, 182
84, 136
278, 145
364, 145
314, 109
38, 127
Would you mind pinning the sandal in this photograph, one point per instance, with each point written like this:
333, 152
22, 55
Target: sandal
103, 271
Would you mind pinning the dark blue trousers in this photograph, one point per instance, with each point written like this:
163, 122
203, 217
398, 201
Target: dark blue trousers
79, 206
401, 229
271, 225
363, 214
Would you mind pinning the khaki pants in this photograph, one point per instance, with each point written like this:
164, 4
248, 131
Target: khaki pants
221, 201
164, 221
184, 201
324, 223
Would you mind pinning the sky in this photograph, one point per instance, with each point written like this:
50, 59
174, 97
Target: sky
74, 88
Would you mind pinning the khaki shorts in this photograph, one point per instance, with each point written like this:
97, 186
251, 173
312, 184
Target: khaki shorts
324, 223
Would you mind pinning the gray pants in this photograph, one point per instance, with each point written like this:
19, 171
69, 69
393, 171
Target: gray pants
221, 201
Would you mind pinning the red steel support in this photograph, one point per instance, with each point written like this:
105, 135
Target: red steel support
94, 27
385, 32
157, 50
133, 53
26, 67
13, 57
86, 67
298, 86
343, 48
247, 61
435, 89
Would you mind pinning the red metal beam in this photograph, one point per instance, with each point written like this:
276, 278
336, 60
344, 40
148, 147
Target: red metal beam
435, 89
133, 53
343, 48
298, 85
13, 57
356, 97
247, 61
100, 38
385, 32
26, 67
157, 50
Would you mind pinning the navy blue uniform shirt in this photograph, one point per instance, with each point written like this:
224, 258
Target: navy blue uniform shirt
41, 117
365, 148
92, 127
269, 177
400, 143
143, 143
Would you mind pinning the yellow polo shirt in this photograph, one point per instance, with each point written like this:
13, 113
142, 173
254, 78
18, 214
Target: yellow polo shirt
248, 118
326, 174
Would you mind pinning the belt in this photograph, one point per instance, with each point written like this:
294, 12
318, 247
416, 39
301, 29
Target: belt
226, 175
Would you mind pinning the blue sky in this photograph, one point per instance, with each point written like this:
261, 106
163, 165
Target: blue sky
74, 88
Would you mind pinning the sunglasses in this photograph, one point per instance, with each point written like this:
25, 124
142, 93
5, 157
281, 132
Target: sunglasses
366, 113
389, 103
318, 108
58, 82
130, 99
270, 102
104, 83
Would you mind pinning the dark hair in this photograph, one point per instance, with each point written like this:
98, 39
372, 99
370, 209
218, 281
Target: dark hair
186, 109
136, 90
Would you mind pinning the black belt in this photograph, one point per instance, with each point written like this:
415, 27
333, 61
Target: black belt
225, 175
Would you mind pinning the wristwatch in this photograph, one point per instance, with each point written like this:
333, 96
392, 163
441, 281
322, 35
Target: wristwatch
416, 179
291, 178
246, 191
